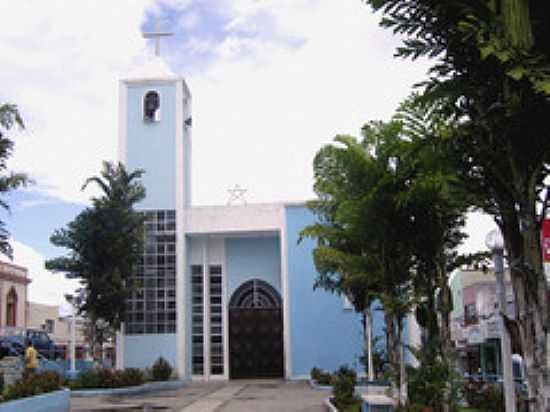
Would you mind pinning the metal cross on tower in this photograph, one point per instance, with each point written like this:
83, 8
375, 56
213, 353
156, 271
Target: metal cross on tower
157, 34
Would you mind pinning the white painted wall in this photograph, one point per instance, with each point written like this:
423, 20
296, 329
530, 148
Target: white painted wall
228, 219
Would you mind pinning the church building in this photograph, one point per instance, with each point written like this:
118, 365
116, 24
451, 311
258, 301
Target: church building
224, 291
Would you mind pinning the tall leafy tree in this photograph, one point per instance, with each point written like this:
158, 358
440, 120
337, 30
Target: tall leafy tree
105, 243
9, 118
391, 213
362, 233
437, 202
493, 73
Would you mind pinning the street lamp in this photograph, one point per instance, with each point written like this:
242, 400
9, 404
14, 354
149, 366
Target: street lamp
495, 243
76, 301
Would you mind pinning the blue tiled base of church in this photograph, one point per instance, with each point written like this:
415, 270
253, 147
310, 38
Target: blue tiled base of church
361, 386
58, 401
133, 390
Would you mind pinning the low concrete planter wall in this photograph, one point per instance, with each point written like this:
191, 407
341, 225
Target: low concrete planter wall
318, 386
58, 401
330, 406
369, 388
131, 390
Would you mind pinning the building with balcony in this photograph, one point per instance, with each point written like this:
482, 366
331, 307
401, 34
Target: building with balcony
475, 327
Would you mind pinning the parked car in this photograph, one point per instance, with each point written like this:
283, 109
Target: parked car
15, 341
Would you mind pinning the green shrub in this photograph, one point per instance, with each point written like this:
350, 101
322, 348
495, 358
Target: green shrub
432, 383
87, 379
161, 370
107, 378
343, 387
484, 396
325, 378
31, 384
315, 372
320, 376
129, 377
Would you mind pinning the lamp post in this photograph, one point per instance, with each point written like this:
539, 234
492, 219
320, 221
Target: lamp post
73, 371
495, 243
76, 301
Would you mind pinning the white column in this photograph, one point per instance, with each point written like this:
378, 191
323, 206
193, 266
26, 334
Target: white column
505, 343
73, 341
285, 290
368, 326
119, 364
122, 119
205, 309
181, 247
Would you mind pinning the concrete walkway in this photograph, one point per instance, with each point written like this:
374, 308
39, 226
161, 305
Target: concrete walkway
233, 396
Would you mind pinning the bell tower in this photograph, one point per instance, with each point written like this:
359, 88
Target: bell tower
155, 135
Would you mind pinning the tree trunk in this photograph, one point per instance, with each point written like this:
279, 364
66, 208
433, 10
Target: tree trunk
445, 307
529, 287
537, 300
392, 348
391, 341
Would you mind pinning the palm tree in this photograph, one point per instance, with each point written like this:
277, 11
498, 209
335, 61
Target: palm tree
119, 187
105, 243
9, 118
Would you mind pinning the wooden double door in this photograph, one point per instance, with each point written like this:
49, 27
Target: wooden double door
256, 348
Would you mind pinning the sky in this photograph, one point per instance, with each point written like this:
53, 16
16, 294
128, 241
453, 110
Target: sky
272, 82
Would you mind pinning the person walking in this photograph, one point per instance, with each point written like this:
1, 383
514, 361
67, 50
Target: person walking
31, 358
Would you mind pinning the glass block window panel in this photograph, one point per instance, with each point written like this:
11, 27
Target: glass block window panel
152, 307
216, 320
197, 349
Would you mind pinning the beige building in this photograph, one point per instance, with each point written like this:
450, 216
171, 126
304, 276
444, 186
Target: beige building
47, 318
13, 295
17, 312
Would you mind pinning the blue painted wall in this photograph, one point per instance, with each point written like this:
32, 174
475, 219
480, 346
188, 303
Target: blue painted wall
152, 145
322, 332
141, 351
252, 258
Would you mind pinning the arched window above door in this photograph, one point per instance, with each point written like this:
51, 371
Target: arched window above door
256, 293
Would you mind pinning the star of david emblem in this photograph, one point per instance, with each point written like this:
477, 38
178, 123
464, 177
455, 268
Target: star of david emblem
236, 195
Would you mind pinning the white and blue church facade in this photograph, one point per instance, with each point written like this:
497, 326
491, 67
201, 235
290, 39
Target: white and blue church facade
222, 291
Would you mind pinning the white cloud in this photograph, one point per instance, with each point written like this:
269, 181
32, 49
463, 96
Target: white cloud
46, 287
260, 118
263, 107
189, 21
61, 63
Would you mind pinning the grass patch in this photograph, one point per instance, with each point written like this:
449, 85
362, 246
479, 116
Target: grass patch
356, 407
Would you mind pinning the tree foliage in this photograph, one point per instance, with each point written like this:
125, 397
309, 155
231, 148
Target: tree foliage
105, 242
9, 118
390, 215
492, 74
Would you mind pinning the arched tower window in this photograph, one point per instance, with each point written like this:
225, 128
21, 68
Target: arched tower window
11, 308
151, 106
